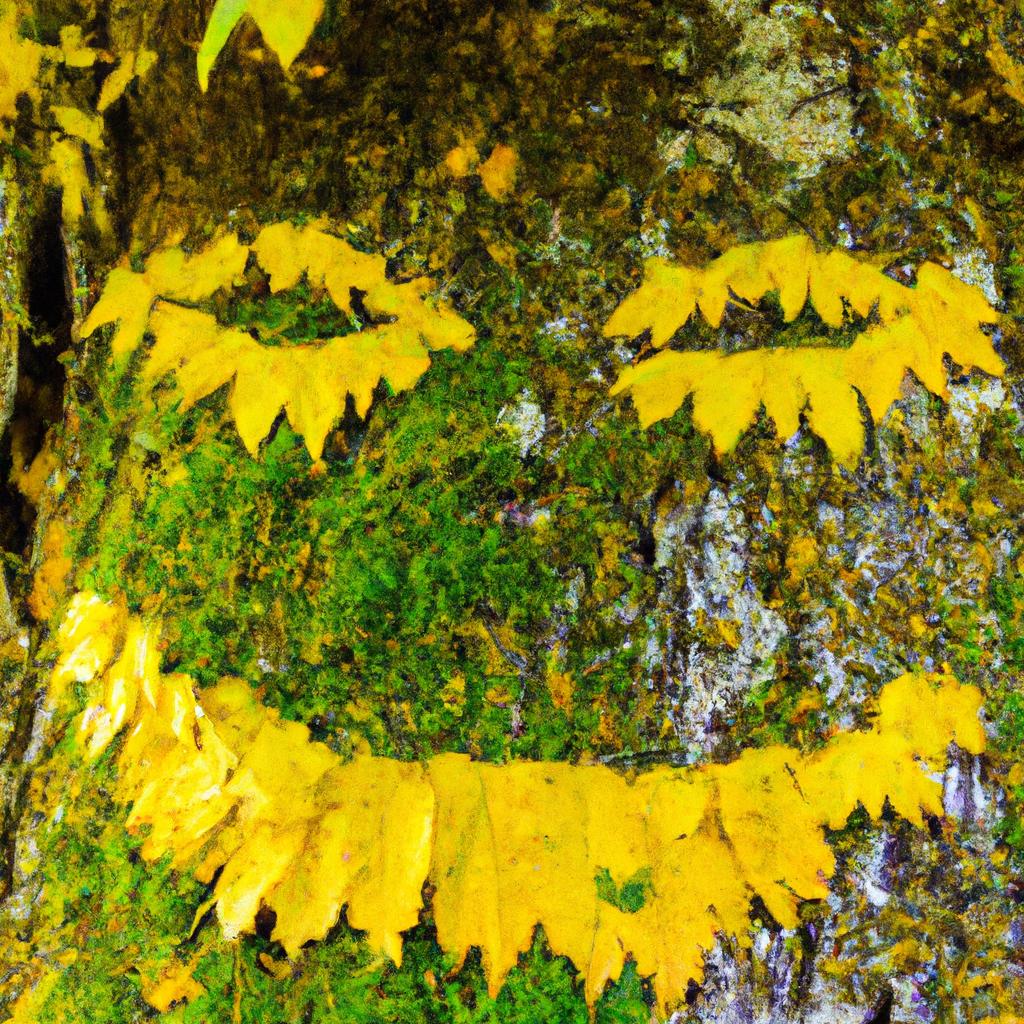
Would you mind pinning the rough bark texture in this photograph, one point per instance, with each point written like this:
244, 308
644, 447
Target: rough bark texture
501, 561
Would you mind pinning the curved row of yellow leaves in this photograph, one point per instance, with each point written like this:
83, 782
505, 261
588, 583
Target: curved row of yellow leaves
223, 784
310, 382
915, 328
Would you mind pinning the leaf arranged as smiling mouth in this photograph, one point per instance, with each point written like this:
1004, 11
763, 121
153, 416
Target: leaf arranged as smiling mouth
916, 328
651, 866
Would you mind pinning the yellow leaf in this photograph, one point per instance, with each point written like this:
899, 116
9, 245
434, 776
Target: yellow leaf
652, 867
175, 984
287, 252
174, 275
917, 328
19, 62
130, 67
309, 382
126, 301
88, 636
131, 678
664, 303
286, 26
498, 172
128, 297
81, 125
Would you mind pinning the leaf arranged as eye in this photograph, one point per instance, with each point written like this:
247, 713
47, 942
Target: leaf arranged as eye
227, 787
286, 26
310, 382
916, 327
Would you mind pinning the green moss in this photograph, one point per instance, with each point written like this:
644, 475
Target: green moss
630, 896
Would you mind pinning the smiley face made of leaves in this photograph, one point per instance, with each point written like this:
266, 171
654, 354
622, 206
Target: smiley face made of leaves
912, 329
310, 381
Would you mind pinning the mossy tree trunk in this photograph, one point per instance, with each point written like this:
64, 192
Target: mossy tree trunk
500, 561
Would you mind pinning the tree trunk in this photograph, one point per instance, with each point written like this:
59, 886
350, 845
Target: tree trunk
493, 557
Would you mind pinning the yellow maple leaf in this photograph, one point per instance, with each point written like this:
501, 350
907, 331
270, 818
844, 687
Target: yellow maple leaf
651, 867
310, 382
286, 26
916, 328
128, 297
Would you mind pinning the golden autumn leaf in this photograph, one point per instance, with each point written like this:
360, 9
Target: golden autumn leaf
286, 26
174, 984
916, 328
128, 297
498, 172
224, 785
311, 382
287, 252
19, 62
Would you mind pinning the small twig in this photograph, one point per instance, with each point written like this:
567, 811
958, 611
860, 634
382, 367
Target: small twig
817, 96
